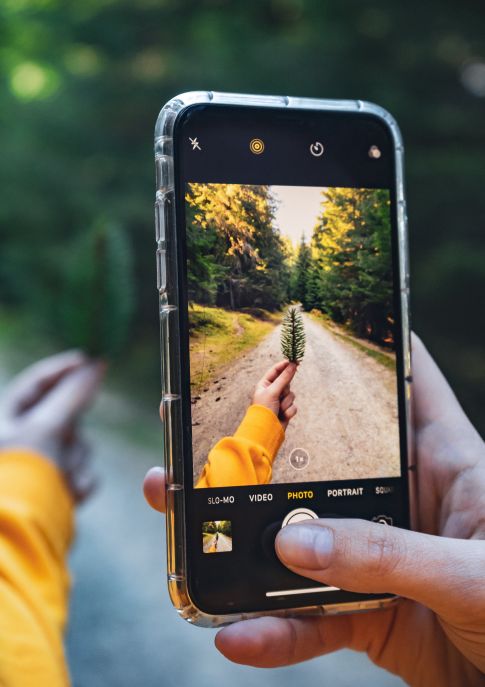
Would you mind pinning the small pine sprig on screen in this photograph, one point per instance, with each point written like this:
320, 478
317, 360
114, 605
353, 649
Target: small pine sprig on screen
293, 335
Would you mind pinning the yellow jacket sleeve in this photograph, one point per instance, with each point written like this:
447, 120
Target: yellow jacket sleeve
245, 458
36, 524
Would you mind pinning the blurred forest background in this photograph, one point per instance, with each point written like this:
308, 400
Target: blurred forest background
82, 84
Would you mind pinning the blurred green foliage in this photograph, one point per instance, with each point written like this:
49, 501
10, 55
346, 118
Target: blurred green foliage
82, 84
95, 300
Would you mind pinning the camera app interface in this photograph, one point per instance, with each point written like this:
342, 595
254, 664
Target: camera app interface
293, 374
293, 395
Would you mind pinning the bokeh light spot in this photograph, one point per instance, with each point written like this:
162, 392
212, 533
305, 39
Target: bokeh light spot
30, 80
83, 60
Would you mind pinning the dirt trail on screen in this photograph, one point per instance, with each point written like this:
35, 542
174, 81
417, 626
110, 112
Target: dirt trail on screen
346, 403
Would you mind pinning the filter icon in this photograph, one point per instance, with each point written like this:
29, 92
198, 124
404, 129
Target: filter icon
256, 146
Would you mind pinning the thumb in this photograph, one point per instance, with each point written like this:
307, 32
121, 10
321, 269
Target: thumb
362, 556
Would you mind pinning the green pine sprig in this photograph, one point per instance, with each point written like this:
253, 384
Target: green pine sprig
293, 335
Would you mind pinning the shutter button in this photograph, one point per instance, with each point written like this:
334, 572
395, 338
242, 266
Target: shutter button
298, 515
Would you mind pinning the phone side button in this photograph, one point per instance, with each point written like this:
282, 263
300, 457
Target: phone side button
163, 215
161, 270
163, 171
159, 218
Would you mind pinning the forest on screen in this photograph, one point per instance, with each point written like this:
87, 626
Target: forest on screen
238, 259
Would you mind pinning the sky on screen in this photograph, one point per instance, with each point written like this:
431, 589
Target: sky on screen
297, 211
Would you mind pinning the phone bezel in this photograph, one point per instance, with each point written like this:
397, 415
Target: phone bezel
184, 600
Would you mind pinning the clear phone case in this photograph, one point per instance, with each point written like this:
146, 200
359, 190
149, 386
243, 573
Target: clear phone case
166, 256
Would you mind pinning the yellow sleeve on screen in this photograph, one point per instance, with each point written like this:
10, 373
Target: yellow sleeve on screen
36, 526
247, 457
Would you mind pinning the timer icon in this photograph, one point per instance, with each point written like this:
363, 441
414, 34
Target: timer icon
316, 149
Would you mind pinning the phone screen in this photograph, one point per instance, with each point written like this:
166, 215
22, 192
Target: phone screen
290, 315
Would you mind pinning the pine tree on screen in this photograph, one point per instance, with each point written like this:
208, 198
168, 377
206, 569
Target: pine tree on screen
293, 335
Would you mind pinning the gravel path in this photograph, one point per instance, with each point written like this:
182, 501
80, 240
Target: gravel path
347, 410
220, 545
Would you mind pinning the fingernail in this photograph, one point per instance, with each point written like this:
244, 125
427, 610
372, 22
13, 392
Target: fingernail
305, 546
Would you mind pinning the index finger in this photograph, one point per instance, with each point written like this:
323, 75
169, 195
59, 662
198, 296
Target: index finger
434, 399
154, 488
274, 642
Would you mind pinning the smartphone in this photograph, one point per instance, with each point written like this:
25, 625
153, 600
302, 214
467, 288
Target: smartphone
283, 279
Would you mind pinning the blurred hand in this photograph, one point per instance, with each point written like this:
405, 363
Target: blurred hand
436, 634
41, 409
273, 391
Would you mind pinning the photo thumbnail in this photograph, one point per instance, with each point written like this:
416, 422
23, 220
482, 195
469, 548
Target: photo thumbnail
292, 334
217, 536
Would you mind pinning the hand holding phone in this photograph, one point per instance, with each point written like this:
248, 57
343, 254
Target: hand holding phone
438, 634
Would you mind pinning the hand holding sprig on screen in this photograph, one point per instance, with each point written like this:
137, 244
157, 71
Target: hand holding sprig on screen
246, 456
273, 391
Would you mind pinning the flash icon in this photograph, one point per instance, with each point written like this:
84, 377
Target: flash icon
194, 143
